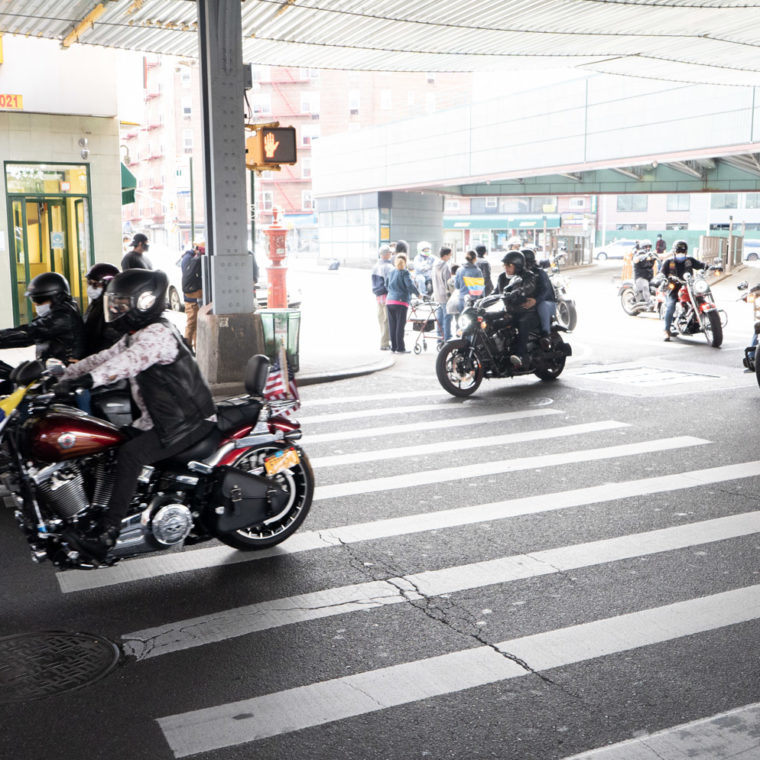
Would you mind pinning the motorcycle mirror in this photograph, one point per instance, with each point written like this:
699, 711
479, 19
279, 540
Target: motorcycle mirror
743, 285
27, 372
54, 367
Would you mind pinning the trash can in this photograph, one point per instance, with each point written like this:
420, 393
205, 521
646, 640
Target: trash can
281, 325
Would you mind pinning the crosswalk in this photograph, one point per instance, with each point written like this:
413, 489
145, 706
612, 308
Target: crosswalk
460, 520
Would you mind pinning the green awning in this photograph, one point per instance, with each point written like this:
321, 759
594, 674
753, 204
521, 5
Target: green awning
128, 185
501, 222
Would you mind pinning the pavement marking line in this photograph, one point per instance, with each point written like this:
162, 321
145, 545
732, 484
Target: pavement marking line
252, 618
486, 419
467, 443
368, 692
732, 734
481, 469
315, 419
199, 559
392, 397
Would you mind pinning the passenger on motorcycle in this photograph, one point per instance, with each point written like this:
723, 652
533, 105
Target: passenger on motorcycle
546, 301
520, 301
423, 267
98, 334
57, 331
677, 267
166, 383
643, 270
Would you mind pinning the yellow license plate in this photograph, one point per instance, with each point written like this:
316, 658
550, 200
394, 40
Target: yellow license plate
282, 460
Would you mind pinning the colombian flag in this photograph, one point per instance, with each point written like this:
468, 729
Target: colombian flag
9, 403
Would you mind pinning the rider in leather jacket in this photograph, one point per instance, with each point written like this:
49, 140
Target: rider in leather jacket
57, 331
520, 301
677, 267
99, 334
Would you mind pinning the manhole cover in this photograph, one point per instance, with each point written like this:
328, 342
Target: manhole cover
36, 665
645, 375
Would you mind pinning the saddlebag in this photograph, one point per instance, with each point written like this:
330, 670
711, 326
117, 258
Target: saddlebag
240, 500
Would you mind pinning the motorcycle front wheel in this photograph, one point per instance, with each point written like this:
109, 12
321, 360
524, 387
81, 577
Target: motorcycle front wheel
628, 302
712, 328
297, 481
458, 368
567, 316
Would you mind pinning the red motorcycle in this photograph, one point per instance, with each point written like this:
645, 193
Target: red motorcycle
247, 483
696, 311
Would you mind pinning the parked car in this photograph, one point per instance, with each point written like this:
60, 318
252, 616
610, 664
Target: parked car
751, 250
615, 249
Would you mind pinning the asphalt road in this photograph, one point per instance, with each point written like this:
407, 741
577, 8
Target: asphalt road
534, 572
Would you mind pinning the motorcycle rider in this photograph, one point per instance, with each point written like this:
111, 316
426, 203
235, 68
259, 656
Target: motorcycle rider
519, 298
546, 301
643, 271
677, 267
166, 383
98, 334
57, 331
423, 267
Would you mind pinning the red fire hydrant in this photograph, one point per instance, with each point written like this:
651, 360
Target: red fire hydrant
277, 293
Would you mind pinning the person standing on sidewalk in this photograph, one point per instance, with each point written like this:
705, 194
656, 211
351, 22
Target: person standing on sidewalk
400, 289
484, 267
441, 276
192, 289
136, 258
379, 275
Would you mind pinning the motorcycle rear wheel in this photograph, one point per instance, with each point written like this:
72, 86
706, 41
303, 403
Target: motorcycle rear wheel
628, 302
298, 481
712, 328
551, 373
458, 368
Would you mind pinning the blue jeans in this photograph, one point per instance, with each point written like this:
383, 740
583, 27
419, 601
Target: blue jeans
444, 322
670, 310
546, 310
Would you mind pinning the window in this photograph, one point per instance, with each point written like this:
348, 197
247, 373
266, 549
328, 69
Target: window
307, 204
187, 107
630, 226
305, 168
632, 203
310, 102
492, 202
577, 203
386, 100
676, 226
678, 202
430, 77
260, 74
752, 200
267, 200
309, 133
186, 76
354, 100
187, 140
452, 204
261, 102
724, 200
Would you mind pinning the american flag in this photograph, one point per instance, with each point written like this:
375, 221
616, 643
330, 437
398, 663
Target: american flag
276, 390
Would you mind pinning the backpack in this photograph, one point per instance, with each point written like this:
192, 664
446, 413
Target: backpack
192, 280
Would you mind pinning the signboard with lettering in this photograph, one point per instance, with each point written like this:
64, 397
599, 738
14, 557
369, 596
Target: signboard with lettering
11, 102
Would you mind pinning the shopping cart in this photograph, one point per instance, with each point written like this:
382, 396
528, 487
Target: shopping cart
423, 320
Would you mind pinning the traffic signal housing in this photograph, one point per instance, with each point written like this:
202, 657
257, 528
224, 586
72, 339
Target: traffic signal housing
269, 147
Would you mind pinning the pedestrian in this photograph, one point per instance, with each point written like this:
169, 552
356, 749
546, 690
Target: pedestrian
192, 289
660, 245
484, 267
452, 304
423, 267
135, 258
441, 277
469, 280
379, 275
400, 289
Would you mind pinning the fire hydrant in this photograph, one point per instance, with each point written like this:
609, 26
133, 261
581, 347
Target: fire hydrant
277, 293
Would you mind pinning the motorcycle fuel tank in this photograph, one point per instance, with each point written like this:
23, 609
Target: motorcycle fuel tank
67, 433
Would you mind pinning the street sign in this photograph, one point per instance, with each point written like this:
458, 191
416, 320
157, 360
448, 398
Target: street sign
271, 146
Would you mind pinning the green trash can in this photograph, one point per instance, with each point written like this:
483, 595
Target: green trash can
281, 325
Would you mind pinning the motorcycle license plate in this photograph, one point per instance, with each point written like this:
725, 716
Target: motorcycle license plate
282, 460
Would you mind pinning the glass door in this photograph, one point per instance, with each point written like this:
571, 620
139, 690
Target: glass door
22, 311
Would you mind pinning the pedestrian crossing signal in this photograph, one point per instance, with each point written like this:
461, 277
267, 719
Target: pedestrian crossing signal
269, 147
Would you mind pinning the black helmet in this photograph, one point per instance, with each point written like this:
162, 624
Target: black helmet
402, 247
48, 286
135, 298
516, 258
102, 272
680, 246
529, 254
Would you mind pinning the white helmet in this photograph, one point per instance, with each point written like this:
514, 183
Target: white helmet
514, 242
424, 247
645, 243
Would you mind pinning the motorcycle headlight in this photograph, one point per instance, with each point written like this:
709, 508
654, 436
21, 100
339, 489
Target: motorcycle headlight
701, 287
464, 321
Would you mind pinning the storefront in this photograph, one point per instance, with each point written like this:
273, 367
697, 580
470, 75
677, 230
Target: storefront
494, 230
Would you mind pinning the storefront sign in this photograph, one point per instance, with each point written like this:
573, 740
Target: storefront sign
11, 102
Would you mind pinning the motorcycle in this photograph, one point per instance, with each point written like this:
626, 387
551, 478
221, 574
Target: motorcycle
488, 338
695, 308
247, 483
631, 301
567, 316
751, 359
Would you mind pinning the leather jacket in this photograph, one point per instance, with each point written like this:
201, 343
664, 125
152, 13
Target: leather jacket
59, 334
98, 333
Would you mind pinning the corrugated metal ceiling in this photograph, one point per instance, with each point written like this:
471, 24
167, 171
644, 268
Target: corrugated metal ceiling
713, 41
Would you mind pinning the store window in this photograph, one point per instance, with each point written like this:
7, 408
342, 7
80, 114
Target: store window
752, 200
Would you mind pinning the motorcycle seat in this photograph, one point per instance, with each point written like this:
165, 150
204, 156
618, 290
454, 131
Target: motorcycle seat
236, 412
197, 452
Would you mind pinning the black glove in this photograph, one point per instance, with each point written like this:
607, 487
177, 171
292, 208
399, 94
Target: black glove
64, 388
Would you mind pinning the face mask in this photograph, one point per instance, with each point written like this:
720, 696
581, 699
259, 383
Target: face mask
42, 309
93, 292
680, 257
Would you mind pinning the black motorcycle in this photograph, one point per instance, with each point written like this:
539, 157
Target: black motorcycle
488, 338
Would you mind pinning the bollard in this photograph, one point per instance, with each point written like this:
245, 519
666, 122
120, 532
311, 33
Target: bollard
277, 293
